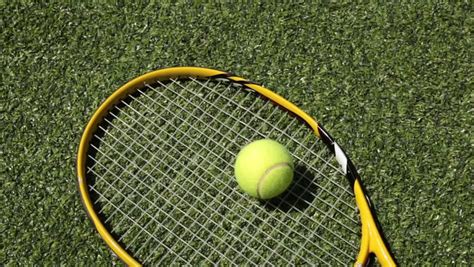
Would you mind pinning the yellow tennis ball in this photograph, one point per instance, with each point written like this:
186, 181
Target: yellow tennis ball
264, 169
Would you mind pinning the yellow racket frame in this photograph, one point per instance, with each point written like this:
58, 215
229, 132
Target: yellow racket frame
371, 239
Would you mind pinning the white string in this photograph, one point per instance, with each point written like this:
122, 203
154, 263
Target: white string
126, 215
138, 114
216, 143
248, 139
144, 198
275, 128
151, 147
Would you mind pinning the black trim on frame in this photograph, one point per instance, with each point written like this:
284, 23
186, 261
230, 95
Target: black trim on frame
326, 138
221, 76
351, 172
353, 176
229, 76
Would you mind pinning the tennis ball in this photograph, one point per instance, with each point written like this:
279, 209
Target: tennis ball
264, 169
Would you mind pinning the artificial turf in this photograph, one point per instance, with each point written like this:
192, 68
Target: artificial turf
393, 84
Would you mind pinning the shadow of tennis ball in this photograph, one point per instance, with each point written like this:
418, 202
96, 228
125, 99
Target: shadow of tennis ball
298, 196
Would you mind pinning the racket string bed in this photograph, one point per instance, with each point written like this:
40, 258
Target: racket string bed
164, 180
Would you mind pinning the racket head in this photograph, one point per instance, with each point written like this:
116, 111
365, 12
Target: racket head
371, 240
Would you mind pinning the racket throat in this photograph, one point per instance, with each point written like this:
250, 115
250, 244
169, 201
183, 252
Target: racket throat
371, 240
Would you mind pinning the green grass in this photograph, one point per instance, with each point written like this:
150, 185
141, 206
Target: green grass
392, 83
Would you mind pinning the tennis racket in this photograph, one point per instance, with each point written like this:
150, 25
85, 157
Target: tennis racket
155, 174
